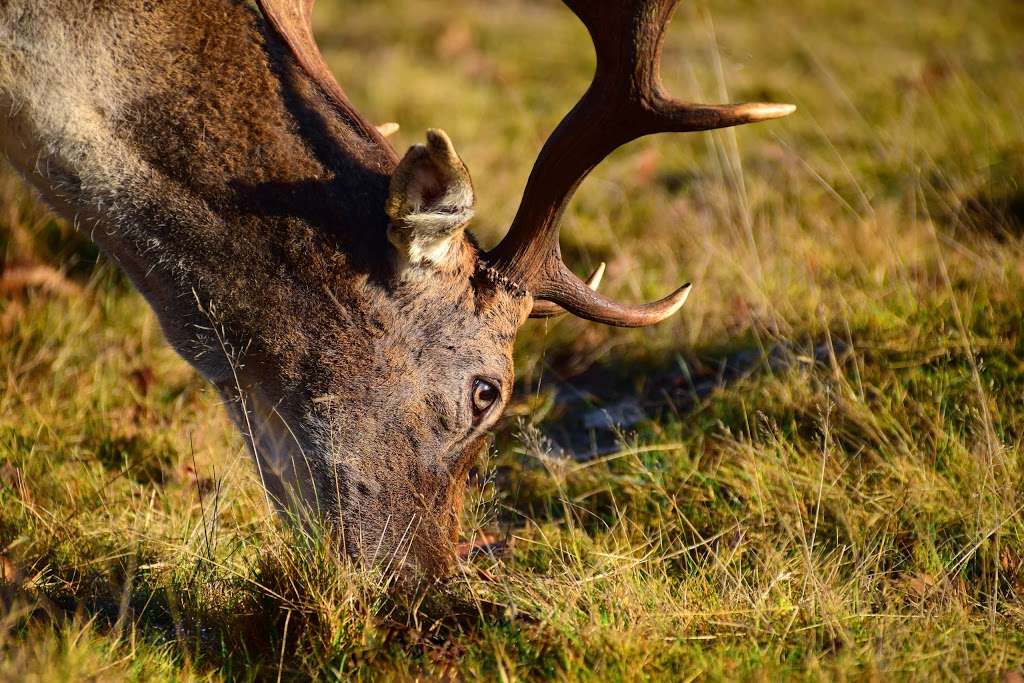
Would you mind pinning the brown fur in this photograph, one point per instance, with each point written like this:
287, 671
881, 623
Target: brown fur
182, 137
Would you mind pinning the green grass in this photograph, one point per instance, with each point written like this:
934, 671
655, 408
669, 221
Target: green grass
853, 514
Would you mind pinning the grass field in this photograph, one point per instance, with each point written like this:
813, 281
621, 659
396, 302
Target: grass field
815, 471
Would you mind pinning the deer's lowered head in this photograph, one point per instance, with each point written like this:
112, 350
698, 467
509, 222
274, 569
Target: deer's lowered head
327, 287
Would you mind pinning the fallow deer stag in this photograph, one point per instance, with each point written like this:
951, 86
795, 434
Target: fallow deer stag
326, 287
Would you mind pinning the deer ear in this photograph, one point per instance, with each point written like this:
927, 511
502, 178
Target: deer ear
430, 203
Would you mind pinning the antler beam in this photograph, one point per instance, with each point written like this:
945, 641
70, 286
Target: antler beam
625, 101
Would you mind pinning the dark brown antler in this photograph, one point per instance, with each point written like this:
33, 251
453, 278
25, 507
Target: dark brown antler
547, 309
625, 101
293, 22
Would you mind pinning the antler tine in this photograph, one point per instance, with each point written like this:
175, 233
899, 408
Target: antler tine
625, 101
547, 309
292, 20
574, 295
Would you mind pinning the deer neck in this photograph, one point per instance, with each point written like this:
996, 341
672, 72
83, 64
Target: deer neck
141, 126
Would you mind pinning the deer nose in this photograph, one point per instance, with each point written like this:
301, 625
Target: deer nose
432, 549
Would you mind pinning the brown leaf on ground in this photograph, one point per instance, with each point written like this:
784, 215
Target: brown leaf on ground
456, 45
142, 378
486, 543
8, 571
923, 586
920, 585
1009, 561
455, 41
202, 484
12, 313
10, 475
16, 279
646, 165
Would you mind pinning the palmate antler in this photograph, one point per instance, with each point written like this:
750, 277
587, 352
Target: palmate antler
625, 101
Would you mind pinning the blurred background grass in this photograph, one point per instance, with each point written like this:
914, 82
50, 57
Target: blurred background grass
813, 471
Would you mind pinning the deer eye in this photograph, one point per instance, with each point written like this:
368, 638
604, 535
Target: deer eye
484, 396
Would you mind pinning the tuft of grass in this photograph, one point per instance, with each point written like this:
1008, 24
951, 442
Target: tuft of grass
821, 473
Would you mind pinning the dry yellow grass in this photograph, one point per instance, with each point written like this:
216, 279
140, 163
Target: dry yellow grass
851, 508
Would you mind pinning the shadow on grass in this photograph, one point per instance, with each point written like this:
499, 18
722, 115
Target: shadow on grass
590, 412
324, 618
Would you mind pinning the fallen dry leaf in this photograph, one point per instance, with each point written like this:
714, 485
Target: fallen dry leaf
10, 475
487, 543
143, 378
8, 571
455, 41
921, 584
203, 484
16, 279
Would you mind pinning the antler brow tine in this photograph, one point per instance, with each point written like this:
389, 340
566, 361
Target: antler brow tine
625, 101
548, 309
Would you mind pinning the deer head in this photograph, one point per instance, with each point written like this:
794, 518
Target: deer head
328, 288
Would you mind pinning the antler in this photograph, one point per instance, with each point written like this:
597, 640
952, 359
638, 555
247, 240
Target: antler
292, 20
547, 309
625, 101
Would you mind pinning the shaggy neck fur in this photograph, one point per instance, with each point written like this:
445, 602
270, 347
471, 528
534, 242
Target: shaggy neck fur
136, 120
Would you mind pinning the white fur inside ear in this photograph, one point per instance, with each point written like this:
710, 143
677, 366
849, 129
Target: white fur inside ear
430, 203
416, 254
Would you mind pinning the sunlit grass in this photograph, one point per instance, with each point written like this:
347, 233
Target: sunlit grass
848, 506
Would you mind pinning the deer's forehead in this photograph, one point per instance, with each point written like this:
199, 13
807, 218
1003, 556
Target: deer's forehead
464, 330
446, 335
455, 306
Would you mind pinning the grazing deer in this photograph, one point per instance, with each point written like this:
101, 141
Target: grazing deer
326, 287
